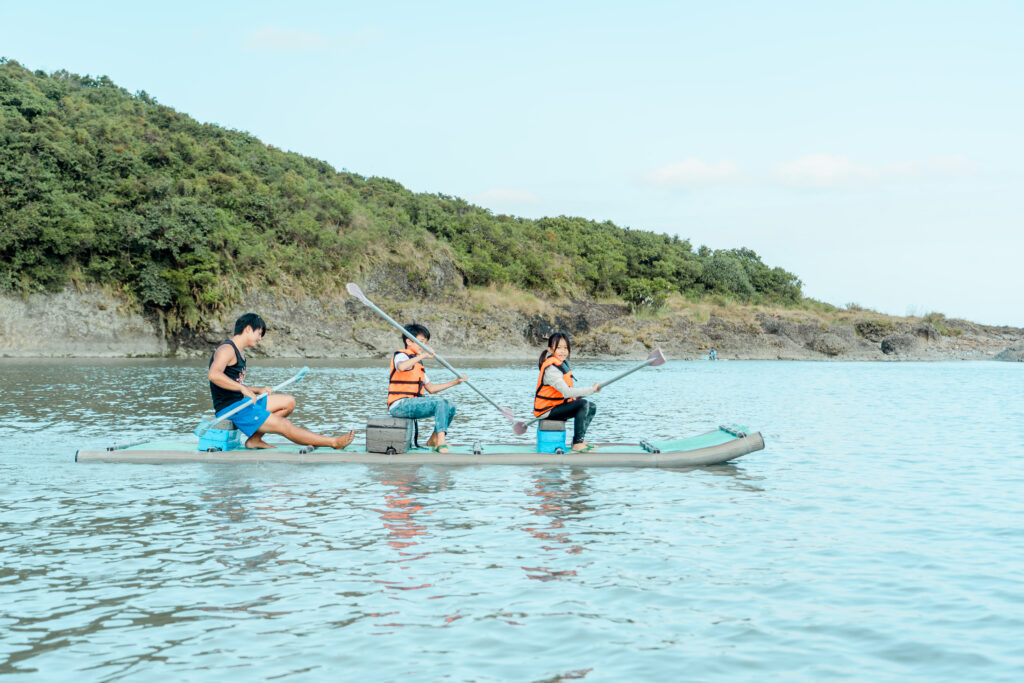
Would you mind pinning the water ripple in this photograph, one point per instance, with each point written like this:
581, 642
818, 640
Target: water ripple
878, 536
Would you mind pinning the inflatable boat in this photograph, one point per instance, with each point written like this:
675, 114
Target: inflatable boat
712, 448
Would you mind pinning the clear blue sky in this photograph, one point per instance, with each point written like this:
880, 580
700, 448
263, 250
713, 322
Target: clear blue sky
872, 148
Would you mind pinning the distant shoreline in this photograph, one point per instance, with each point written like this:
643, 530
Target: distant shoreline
94, 324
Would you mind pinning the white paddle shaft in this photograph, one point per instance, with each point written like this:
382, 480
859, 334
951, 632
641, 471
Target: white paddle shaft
205, 427
655, 359
355, 291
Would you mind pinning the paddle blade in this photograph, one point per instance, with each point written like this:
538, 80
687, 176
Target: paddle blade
302, 373
203, 428
656, 358
355, 291
519, 428
507, 414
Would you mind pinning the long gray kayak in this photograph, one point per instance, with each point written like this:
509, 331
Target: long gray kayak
713, 448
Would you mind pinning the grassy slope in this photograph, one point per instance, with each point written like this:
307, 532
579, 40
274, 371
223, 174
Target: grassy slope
101, 186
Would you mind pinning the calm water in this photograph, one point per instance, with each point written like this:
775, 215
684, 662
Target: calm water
880, 535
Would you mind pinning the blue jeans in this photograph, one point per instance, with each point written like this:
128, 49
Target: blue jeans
420, 407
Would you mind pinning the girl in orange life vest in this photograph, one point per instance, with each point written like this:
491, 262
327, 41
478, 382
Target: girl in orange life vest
556, 393
408, 381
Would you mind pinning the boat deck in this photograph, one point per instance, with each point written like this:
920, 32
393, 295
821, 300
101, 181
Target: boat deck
721, 445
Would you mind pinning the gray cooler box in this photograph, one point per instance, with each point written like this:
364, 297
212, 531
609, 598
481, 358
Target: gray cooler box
390, 434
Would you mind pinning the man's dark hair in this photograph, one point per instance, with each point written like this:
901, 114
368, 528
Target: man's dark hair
250, 320
415, 329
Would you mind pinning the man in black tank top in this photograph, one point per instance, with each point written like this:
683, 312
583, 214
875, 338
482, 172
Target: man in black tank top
268, 415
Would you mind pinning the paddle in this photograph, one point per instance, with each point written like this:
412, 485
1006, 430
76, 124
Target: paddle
355, 291
205, 426
654, 360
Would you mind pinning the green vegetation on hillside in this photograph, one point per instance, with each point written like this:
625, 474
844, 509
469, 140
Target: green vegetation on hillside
98, 185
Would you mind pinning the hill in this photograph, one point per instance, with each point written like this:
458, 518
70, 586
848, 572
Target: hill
104, 187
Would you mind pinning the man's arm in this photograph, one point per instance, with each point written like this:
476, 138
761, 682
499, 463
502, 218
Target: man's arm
434, 388
409, 362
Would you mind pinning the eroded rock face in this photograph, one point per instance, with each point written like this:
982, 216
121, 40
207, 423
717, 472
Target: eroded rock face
927, 332
800, 333
90, 323
829, 344
900, 344
437, 279
93, 323
1013, 354
876, 330
540, 328
845, 332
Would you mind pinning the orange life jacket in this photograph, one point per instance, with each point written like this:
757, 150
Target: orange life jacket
406, 383
547, 397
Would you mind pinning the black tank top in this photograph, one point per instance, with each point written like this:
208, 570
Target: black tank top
222, 397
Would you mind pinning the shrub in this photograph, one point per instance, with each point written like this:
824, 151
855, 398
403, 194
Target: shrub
187, 216
647, 295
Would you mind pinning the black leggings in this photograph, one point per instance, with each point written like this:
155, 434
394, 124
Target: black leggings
581, 411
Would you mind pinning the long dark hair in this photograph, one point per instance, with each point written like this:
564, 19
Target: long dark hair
553, 343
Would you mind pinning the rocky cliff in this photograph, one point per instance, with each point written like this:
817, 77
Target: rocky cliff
93, 323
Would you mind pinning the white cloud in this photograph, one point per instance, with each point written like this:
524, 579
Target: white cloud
952, 164
824, 170
504, 196
691, 172
835, 171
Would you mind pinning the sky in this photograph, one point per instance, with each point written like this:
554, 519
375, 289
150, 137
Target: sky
874, 149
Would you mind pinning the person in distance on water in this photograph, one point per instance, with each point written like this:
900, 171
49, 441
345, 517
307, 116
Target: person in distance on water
407, 382
556, 393
270, 413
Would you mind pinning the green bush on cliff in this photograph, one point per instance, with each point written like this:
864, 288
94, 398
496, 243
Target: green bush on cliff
941, 324
113, 188
647, 295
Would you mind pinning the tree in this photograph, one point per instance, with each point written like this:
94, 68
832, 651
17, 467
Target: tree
646, 295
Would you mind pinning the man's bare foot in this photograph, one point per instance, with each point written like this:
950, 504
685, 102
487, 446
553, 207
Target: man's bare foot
432, 441
256, 441
339, 442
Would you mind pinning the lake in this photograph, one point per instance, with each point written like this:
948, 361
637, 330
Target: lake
879, 535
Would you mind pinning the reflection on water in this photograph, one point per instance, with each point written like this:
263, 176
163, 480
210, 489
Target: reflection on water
405, 517
560, 495
867, 542
229, 503
738, 476
400, 515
